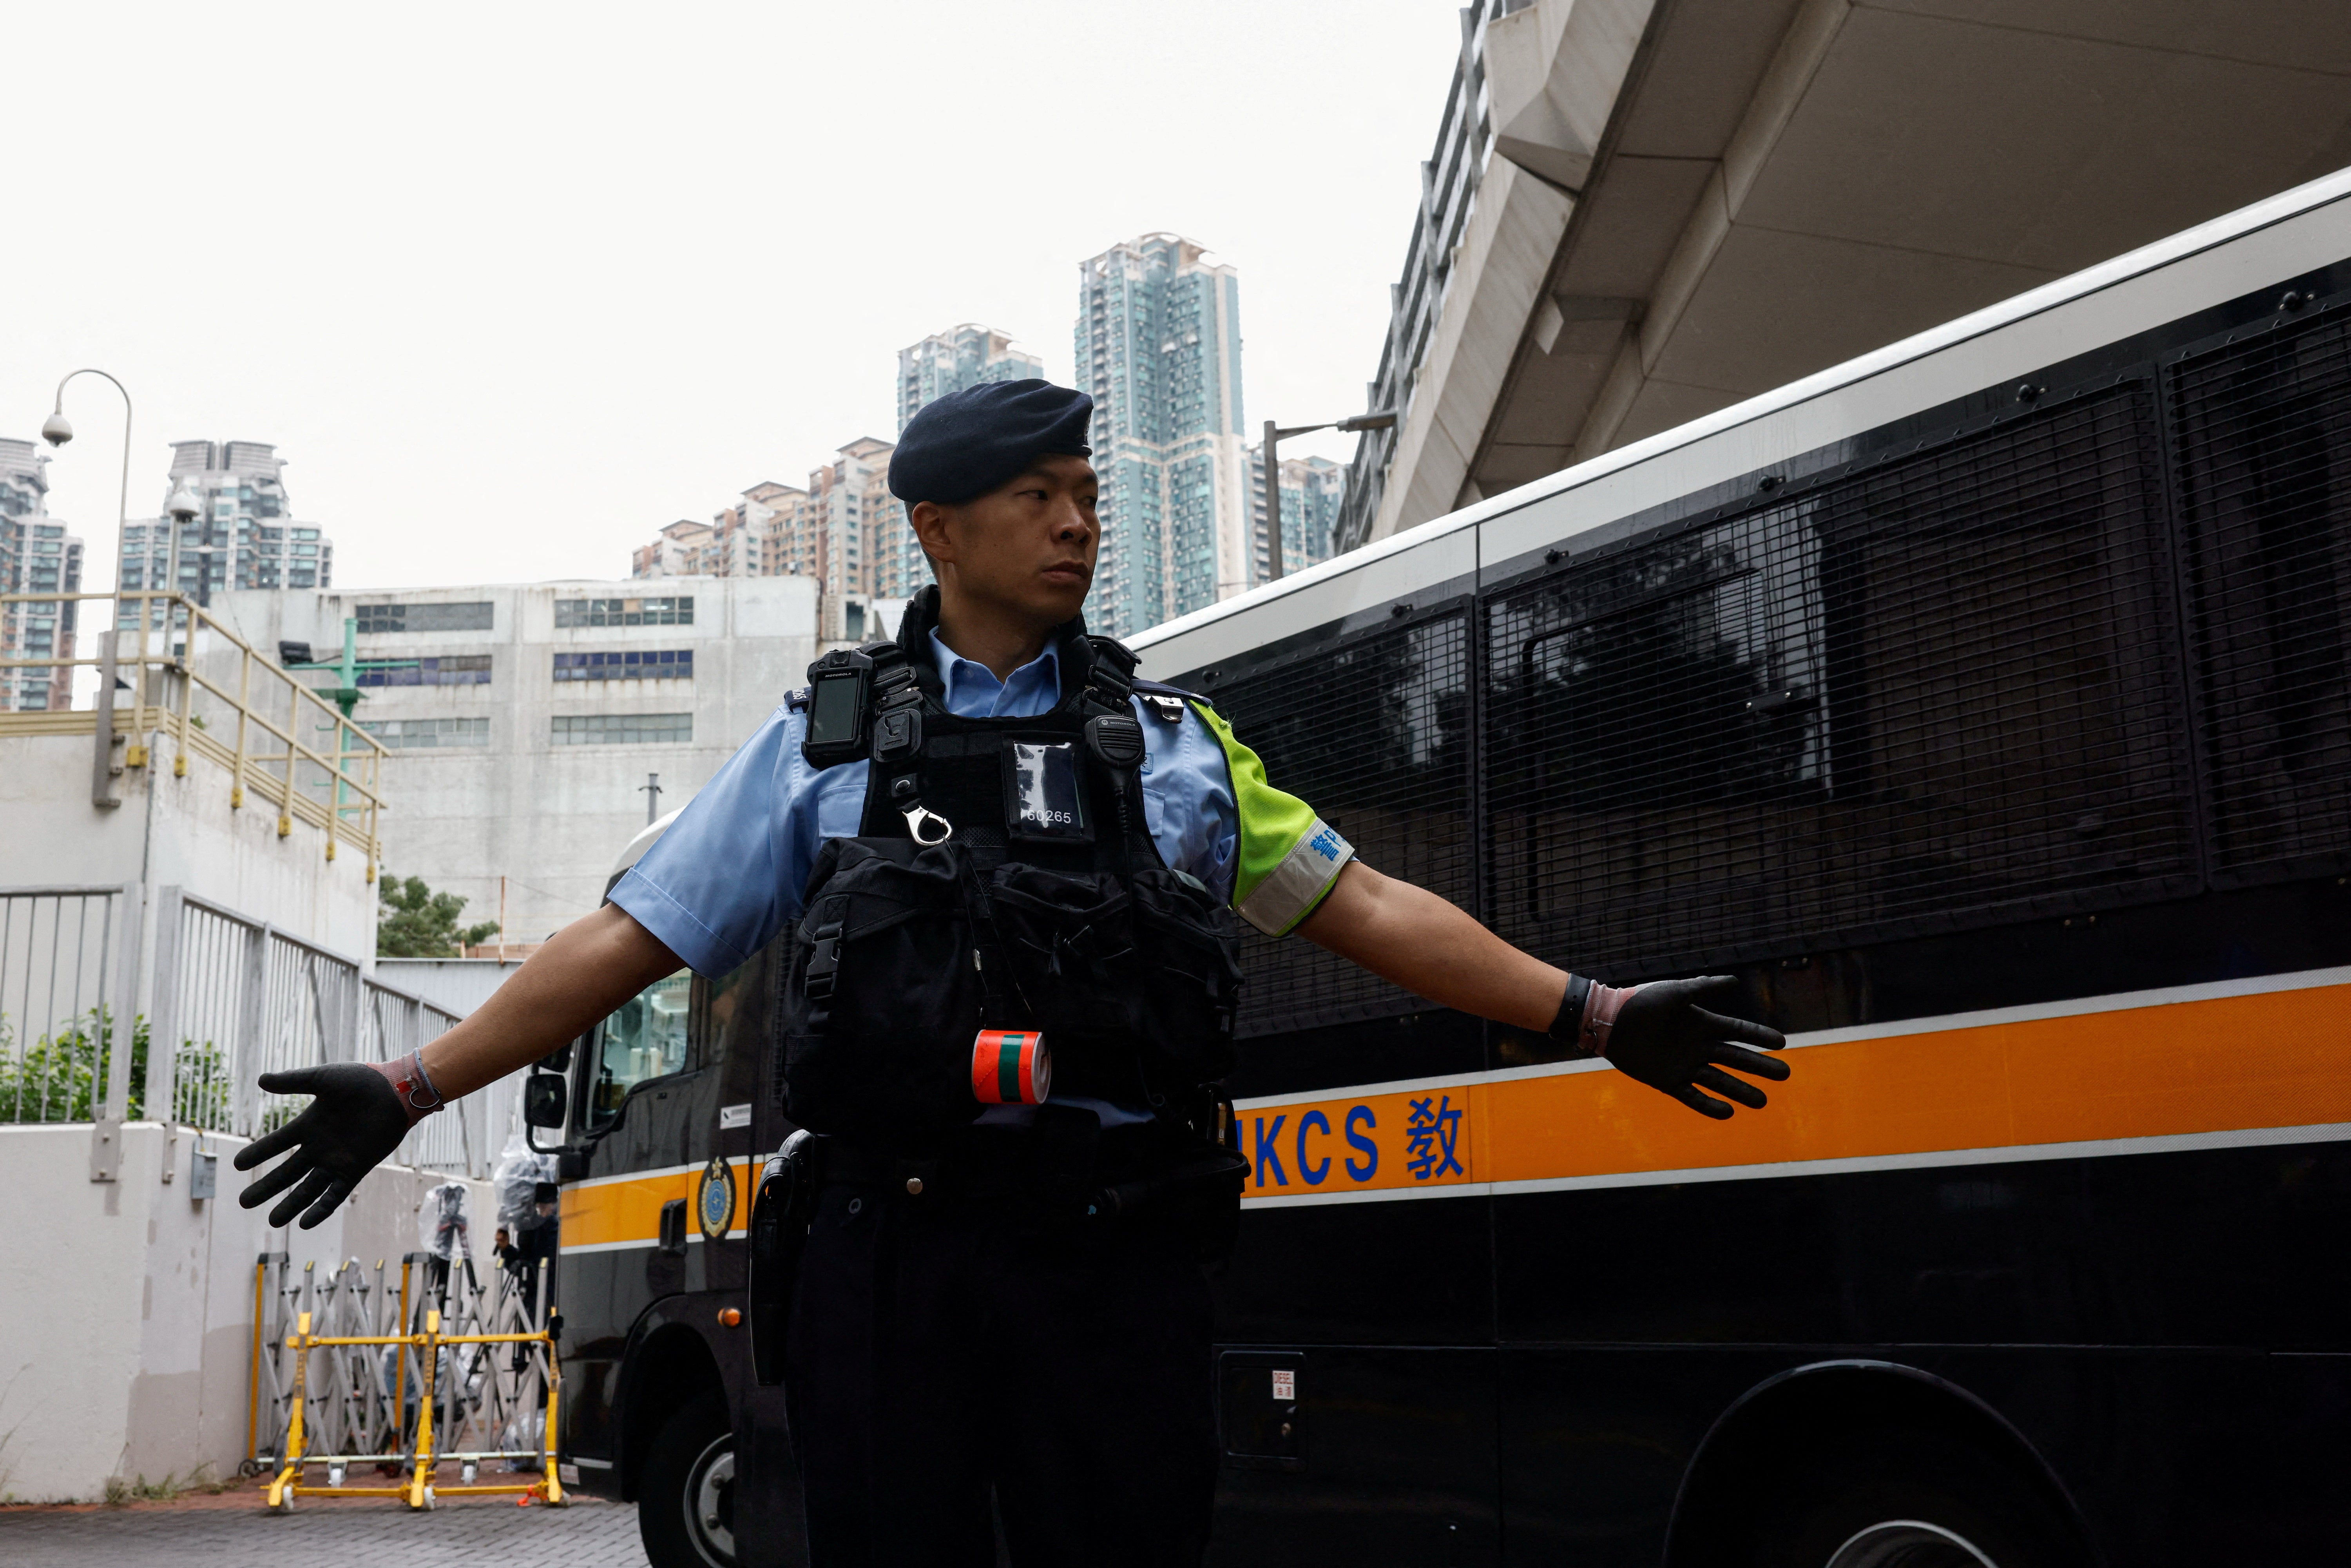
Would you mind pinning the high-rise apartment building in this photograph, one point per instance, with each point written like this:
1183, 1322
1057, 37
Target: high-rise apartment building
246, 535
845, 530
749, 538
36, 555
966, 356
864, 548
1312, 491
1158, 345
674, 551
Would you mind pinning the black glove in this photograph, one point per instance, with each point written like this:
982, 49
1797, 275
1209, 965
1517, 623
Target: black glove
356, 1119
1659, 1034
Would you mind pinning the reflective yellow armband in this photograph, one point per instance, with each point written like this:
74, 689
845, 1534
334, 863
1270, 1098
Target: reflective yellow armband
1289, 856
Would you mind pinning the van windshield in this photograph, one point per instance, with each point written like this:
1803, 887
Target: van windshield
644, 1038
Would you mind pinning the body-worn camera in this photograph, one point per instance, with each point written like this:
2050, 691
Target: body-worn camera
838, 684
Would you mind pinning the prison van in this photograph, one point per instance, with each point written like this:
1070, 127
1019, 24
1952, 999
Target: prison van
1981, 705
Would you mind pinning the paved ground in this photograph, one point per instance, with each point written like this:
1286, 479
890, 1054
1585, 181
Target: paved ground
233, 1530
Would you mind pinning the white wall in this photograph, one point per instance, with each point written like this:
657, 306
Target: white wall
175, 830
50, 833
126, 1308
550, 818
460, 985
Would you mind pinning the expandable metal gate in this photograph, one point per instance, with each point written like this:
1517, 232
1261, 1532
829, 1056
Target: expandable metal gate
459, 1402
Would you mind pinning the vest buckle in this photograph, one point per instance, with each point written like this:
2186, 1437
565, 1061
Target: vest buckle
926, 827
824, 961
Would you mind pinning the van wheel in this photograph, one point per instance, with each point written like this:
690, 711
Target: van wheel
1912, 1499
685, 1510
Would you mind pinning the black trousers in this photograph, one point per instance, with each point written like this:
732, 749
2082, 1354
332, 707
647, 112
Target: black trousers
958, 1343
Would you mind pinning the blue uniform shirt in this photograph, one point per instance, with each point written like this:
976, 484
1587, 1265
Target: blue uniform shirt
729, 872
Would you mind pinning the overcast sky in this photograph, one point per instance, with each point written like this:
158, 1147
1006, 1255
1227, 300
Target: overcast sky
514, 285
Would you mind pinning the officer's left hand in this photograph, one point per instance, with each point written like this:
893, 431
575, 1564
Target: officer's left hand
1665, 1039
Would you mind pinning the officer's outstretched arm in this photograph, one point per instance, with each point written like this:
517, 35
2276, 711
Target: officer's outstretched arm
1657, 1033
359, 1111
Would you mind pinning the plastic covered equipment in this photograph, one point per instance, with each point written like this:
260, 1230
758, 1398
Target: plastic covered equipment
516, 1180
441, 1222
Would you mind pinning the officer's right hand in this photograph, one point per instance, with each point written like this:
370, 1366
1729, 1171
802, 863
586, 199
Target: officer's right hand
355, 1120
1666, 1039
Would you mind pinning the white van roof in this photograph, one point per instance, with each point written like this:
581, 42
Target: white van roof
644, 840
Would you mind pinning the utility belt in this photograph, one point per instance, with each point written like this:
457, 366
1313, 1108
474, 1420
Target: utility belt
1063, 1174
1062, 1166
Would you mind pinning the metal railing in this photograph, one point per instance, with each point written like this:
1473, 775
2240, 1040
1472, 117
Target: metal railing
243, 997
1449, 181
465, 1138
235, 997
198, 689
61, 968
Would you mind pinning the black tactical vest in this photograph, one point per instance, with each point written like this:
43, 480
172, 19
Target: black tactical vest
1003, 878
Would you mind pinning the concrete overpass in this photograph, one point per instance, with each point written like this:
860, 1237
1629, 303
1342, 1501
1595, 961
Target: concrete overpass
1641, 211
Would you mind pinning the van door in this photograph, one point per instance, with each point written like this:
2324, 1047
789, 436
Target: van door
626, 1162
733, 1031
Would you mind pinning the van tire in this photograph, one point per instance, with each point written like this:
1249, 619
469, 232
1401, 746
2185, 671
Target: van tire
689, 1473
1892, 1496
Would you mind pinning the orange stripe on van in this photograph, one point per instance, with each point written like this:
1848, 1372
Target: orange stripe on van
626, 1211
2273, 1059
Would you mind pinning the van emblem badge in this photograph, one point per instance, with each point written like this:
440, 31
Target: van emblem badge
714, 1201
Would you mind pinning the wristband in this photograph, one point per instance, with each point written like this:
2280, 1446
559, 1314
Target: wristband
1588, 1013
413, 1084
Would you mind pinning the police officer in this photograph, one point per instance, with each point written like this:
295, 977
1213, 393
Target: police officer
1000, 1292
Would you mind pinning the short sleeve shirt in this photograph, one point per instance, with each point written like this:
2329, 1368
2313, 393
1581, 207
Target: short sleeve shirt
731, 871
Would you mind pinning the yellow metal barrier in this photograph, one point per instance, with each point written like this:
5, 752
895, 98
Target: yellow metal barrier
353, 771
419, 1490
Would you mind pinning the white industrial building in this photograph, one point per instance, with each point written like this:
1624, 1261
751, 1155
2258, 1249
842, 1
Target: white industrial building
526, 721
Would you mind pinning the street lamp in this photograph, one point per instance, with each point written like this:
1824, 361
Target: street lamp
183, 506
57, 430
1274, 434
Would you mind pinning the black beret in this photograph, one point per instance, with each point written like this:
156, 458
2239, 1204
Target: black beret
967, 442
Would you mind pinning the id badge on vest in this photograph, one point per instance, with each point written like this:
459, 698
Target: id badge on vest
1045, 792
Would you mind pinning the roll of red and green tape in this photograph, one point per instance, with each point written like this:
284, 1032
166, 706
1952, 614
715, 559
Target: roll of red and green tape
1010, 1067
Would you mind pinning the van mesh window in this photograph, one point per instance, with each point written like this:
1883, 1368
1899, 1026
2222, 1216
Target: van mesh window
1933, 692
1374, 734
2262, 434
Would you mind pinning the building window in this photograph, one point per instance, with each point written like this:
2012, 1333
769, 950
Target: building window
407, 734
653, 664
470, 617
623, 729
674, 611
449, 670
